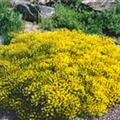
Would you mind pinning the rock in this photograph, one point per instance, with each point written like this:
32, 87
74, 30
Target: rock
1, 40
44, 2
45, 12
100, 5
28, 11
40, 2
29, 26
33, 12
16, 2
67, 1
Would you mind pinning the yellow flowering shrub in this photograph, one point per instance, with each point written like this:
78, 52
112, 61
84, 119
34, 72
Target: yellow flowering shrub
59, 74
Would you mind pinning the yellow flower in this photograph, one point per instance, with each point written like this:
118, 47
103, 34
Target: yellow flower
63, 73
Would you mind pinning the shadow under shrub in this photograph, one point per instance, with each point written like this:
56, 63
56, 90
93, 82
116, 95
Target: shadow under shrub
59, 74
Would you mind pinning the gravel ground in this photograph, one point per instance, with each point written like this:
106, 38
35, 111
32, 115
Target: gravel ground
29, 26
113, 114
8, 116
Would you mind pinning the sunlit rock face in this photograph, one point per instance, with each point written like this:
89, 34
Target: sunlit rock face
100, 5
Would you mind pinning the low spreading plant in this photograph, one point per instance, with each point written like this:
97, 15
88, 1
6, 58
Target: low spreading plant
59, 74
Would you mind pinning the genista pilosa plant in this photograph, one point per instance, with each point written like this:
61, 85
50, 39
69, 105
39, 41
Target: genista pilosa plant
59, 74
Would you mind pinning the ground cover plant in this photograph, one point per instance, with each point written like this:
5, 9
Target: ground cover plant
59, 74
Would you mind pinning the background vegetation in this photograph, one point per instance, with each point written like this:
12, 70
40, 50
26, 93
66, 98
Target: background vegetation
78, 16
10, 21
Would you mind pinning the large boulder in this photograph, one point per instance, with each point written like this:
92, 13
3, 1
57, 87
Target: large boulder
100, 5
28, 11
16, 2
45, 11
33, 12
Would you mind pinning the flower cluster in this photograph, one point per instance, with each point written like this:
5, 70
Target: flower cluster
59, 74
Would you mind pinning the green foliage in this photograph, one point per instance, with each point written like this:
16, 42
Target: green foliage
106, 22
4, 4
59, 74
117, 40
64, 17
79, 16
112, 20
10, 21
